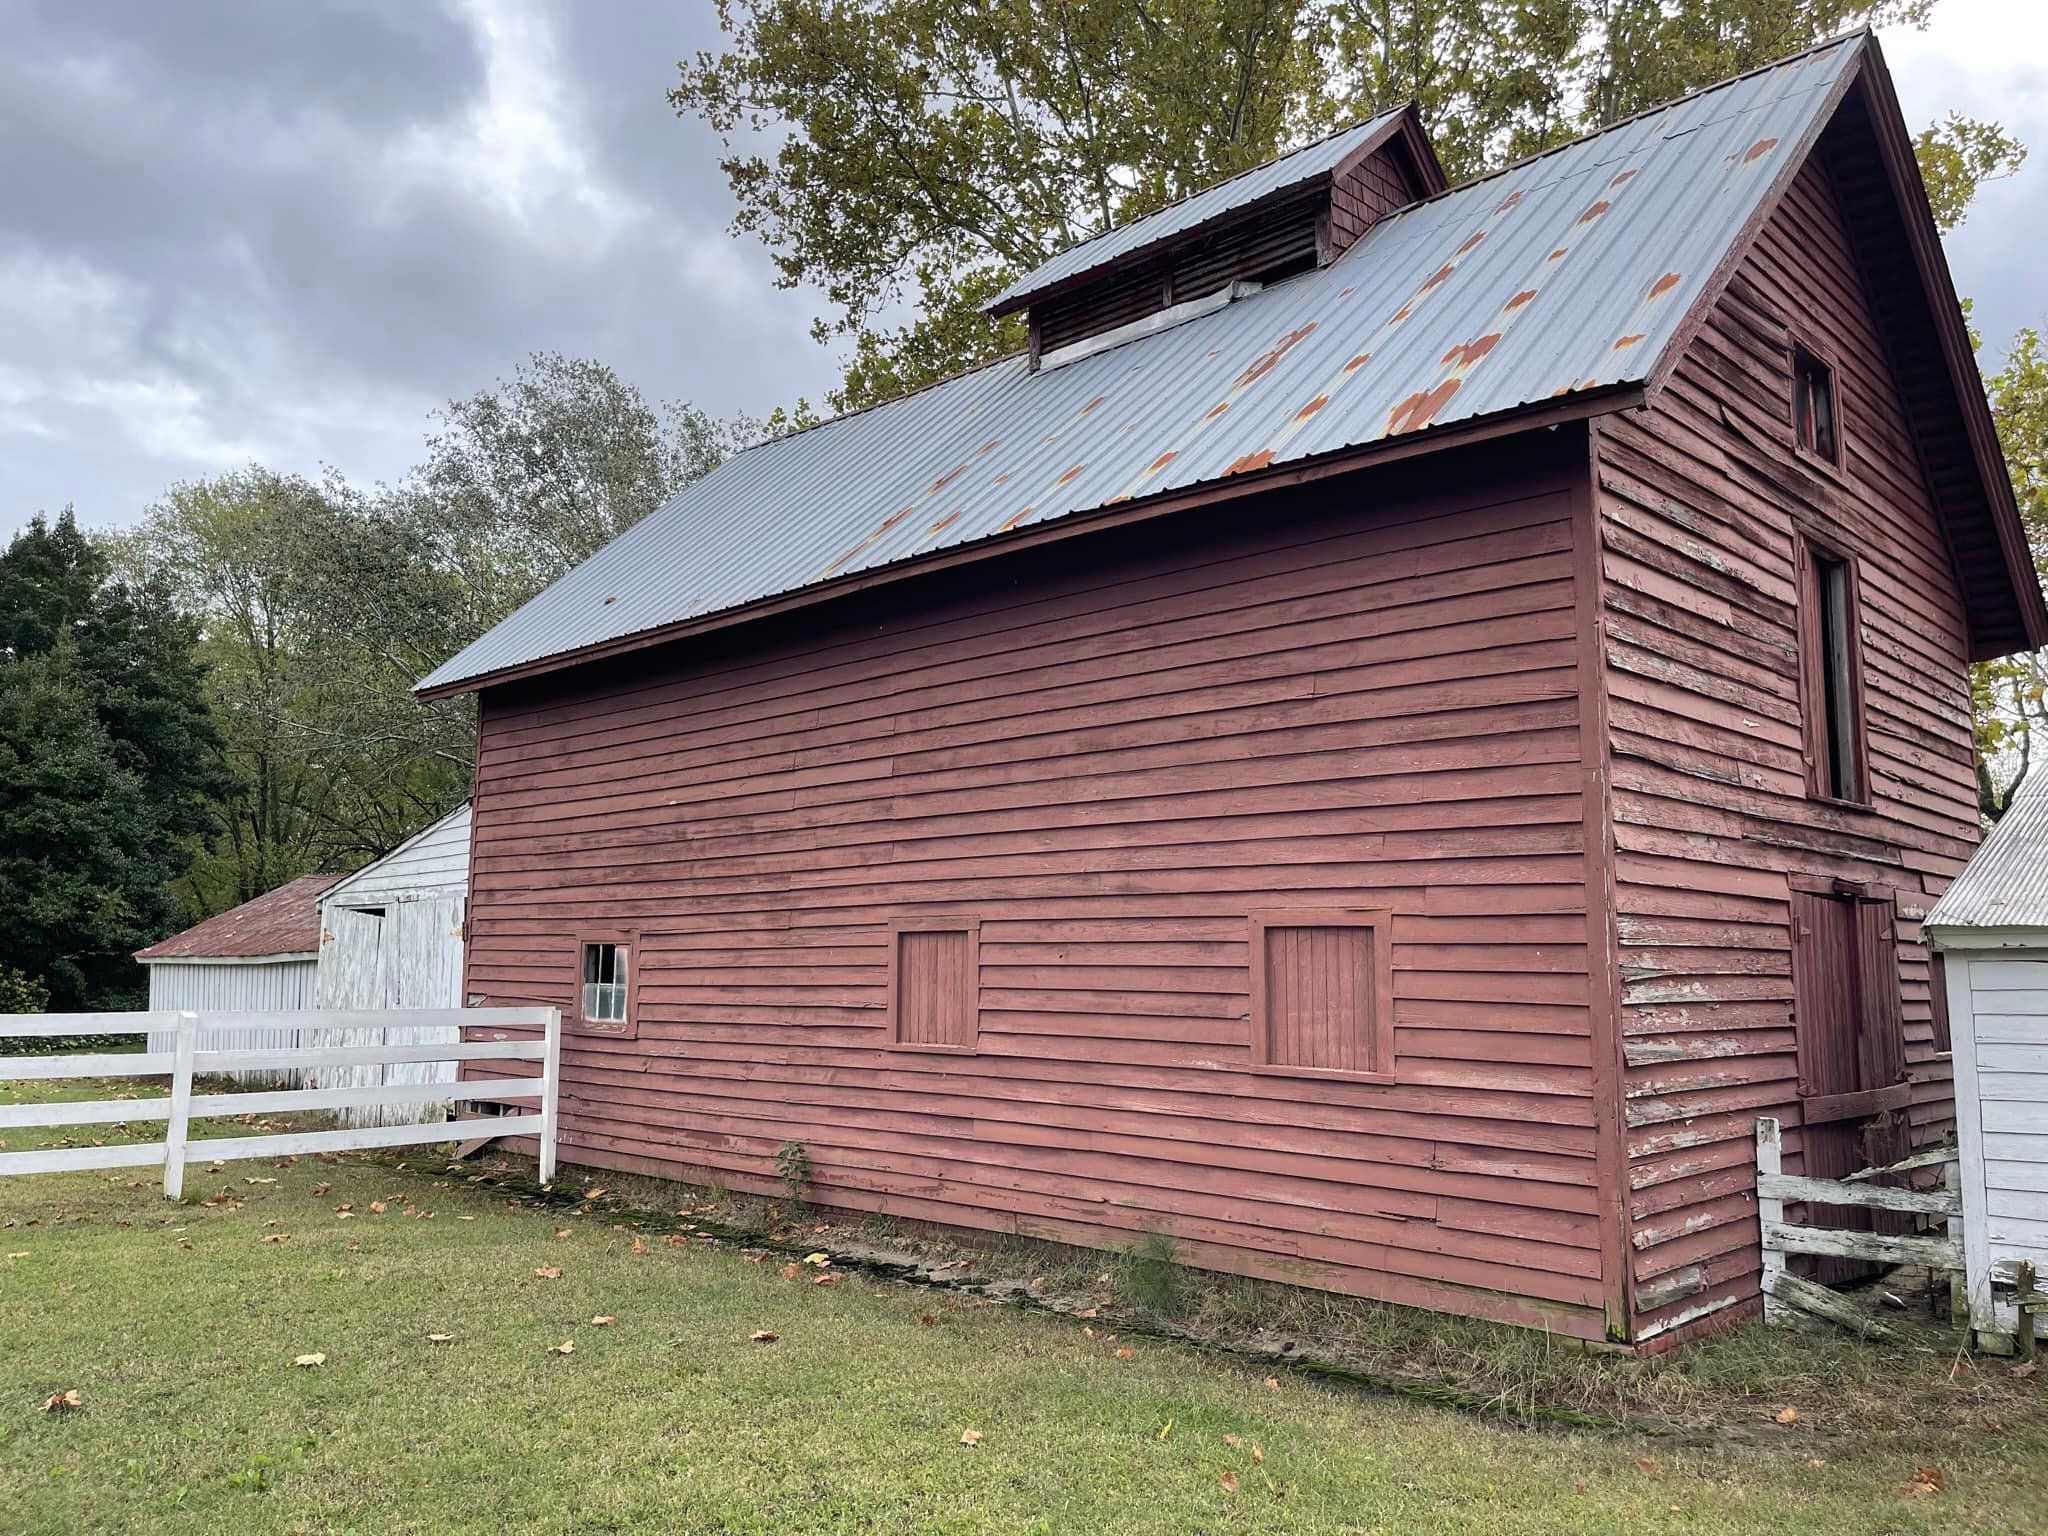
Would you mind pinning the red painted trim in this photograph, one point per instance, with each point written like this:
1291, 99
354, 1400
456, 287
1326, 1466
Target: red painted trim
628, 939
1380, 1018
1603, 939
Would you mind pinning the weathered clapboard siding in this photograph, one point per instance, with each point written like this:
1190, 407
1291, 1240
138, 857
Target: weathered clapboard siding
1360, 695
1711, 817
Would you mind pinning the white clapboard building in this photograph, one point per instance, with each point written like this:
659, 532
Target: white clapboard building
260, 957
388, 936
1990, 934
391, 937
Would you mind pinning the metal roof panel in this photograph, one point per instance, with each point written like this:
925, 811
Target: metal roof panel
2005, 884
1567, 273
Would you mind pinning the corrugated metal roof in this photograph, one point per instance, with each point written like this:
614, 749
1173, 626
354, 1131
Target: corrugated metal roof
2005, 884
1240, 191
1566, 273
285, 921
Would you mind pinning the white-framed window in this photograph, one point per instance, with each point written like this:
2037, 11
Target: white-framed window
605, 982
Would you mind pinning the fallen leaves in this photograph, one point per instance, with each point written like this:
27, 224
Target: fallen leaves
763, 1336
275, 1237
592, 1194
1272, 1383
602, 1320
818, 1258
970, 1437
440, 1338
1229, 1482
2022, 1372
1787, 1415
1126, 1354
566, 1347
379, 1207
791, 1270
64, 1402
549, 1272
1926, 1480
308, 1362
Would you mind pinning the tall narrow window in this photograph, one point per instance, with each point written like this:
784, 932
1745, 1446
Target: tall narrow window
1833, 702
1322, 992
606, 998
935, 983
1813, 407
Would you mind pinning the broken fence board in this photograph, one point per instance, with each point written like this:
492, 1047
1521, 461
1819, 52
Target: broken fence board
1877, 1247
1876, 1197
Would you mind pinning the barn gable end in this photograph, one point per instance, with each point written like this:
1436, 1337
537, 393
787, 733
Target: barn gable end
1708, 509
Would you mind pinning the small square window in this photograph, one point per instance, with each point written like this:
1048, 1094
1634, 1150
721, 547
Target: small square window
1814, 416
606, 999
1322, 993
935, 983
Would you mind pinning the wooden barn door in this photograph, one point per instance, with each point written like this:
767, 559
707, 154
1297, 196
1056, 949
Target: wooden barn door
1852, 1054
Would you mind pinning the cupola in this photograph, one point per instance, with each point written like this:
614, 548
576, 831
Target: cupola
1288, 215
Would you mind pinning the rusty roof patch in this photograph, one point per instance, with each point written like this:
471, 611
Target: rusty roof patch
1266, 361
1758, 150
1521, 298
1593, 211
1628, 341
1664, 285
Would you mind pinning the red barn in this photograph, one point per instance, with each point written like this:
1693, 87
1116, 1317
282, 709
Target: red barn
1376, 748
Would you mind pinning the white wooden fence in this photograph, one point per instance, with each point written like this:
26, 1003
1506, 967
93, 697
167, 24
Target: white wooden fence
1786, 1293
190, 1057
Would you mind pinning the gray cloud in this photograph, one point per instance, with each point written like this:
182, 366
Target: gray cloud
286, 232
235, 229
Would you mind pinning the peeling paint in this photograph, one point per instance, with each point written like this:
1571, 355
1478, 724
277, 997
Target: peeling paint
1664, 285
1358, 362
1521, 298
1759, 149
1312, 407
1063, 479
1014, 519
1594, 211
1250, 461
1161, 462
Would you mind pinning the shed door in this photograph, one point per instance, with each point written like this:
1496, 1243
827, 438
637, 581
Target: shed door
1852, 1054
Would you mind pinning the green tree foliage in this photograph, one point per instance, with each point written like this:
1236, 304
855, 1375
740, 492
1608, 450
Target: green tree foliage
1957, 155
109, 766
324, 605
916, 153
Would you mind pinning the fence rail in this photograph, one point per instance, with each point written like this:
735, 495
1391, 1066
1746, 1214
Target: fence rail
1786, 1293
188, 1059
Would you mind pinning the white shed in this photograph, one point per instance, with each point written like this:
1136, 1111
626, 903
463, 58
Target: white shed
259, 957
1990, 934
391, 937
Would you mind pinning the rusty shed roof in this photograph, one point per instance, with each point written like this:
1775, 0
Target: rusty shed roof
1569, 273
1204, 207
2005, 884
280, 923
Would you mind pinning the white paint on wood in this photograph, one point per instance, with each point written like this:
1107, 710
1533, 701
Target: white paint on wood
1998, 1020
186, 1061
1878, 1247
1874, 1197
259, 990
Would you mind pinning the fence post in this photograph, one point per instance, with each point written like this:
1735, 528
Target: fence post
1770, 1210
184, 1041
550, 1094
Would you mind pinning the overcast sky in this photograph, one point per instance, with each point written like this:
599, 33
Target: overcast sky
286, 231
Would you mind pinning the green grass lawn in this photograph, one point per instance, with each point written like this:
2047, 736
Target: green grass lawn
178, 1327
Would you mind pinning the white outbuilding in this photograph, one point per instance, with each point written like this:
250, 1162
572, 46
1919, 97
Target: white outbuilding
391, 937
260, 957
1990, 936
